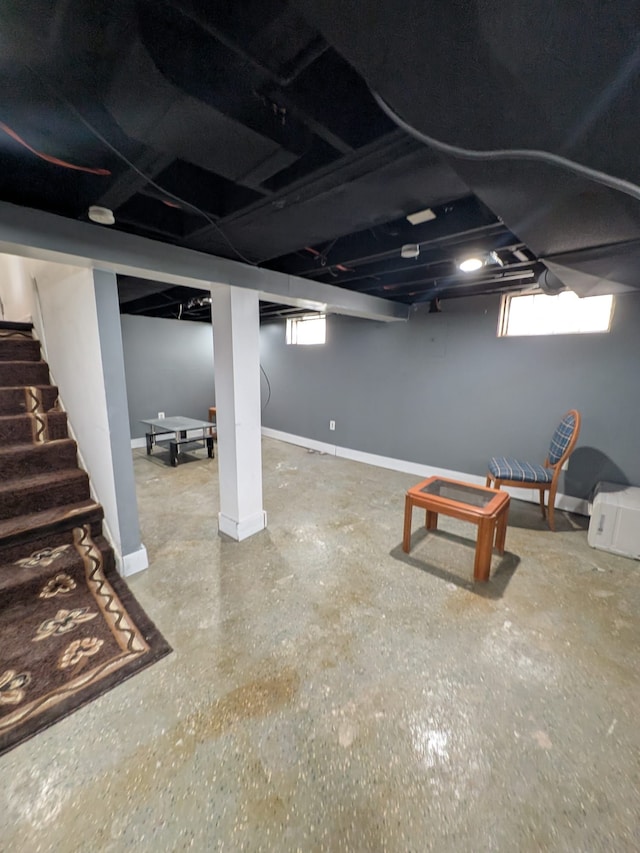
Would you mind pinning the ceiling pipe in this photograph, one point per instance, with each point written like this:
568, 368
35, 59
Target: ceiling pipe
421, 266
494, 228
456, 282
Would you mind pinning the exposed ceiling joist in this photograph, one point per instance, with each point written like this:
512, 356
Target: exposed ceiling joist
251, 131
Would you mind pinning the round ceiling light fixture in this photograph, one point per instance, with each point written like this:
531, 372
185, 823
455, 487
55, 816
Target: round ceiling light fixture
410, 250
471, 264
102, 215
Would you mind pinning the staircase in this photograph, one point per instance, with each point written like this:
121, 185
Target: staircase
44, 495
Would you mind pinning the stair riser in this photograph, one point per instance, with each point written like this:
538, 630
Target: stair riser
23, 500
23, 373
9, 327
37, 459
19, 349
19, 429
13, 401
26, 578
29, 543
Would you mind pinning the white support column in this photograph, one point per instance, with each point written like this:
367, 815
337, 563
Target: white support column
236, 344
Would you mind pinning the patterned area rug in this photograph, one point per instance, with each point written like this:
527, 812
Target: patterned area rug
70, 630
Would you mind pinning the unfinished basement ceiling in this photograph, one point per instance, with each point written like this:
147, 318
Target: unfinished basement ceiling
250, 131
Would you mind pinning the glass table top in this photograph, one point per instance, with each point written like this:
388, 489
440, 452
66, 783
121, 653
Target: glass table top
464, 494
176, 424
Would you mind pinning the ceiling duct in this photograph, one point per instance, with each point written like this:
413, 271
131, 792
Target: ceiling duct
155, 112
549, 283
604, 269
488, 78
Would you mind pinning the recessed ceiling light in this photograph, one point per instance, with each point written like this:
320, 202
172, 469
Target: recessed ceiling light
421, 216
410, 250
470, 264
102, 215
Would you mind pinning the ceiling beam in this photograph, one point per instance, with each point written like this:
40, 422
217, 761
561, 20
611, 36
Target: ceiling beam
401, 268
349, 168
315, 126
130, 182
465, 222
44, 236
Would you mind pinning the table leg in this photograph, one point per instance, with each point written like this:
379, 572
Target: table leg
173, 453
210, 446
482, 564
149, 437
501, 530
431, 520
408, 511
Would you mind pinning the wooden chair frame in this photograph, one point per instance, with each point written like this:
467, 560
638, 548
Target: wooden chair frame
544, 487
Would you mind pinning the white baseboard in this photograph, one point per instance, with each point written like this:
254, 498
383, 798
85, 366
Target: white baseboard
244, 528
565, 502
310, 443
134, 562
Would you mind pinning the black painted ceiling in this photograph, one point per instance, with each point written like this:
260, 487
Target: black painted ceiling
248, 130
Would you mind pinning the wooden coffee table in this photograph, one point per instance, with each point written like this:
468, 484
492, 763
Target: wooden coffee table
488, 508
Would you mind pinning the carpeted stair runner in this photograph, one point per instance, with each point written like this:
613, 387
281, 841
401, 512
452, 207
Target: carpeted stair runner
38, 462
69, 627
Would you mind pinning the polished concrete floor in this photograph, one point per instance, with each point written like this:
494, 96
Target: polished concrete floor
328, 692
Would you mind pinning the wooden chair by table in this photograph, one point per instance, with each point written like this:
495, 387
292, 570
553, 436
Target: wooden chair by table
212, 420
507, 471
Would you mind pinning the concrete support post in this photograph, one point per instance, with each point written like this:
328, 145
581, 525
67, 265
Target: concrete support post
236, 343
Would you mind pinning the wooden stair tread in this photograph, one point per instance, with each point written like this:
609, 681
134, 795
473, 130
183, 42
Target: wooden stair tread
27, 414
11, 579
21, 362
34, 481
39, 522
40, 385
26, 446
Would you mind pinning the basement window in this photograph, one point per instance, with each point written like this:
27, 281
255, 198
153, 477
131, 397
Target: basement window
559, 314
308, 330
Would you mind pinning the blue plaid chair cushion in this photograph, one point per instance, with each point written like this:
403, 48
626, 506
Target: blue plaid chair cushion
507, 468
561, 438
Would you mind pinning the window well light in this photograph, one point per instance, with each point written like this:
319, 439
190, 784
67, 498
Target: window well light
470, 264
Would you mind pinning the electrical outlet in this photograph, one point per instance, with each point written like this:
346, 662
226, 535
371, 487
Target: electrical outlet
332, 424
161, 415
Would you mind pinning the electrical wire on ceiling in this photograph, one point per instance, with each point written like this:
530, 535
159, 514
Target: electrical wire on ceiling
48, 157
160, 188
321, 257
87, 124
626, 187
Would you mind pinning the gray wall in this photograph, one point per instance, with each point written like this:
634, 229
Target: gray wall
168, 367
106, 291
443, 390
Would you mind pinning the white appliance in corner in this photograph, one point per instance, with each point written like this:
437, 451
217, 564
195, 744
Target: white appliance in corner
615, 519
